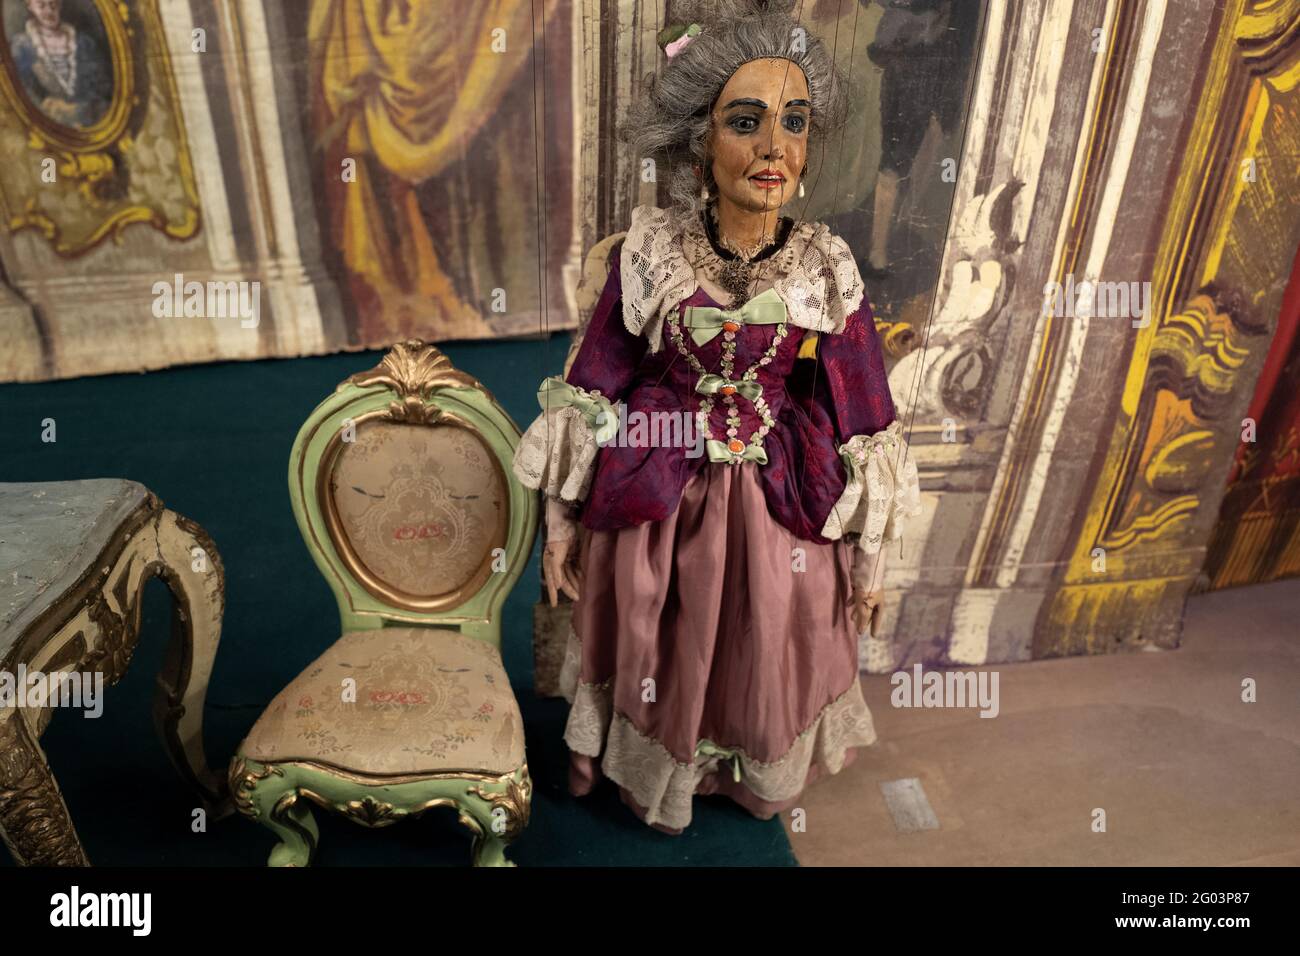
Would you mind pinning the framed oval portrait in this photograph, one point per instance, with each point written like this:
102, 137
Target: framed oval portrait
66, 67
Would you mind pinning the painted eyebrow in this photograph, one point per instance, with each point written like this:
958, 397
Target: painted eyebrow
746, 101
799, 103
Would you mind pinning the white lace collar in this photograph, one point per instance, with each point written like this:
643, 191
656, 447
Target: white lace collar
820, 291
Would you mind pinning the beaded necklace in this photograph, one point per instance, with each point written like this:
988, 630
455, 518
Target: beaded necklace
728, 392
736, 269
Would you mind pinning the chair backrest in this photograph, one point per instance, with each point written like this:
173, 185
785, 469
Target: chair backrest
403, 491
595, 271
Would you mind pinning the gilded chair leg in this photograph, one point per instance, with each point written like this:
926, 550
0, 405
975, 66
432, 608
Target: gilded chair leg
291, 819
490, 850
262, 793
497, 814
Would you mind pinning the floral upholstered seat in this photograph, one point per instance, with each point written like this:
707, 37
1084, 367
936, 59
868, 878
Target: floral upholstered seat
420, 699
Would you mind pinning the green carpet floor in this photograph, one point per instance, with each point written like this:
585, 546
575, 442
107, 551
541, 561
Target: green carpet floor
213, 442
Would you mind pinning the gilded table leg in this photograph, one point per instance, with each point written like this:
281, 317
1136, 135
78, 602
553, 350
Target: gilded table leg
192, 569
34, 821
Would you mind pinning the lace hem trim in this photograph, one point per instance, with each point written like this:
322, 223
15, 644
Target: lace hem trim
663, 785
882, 490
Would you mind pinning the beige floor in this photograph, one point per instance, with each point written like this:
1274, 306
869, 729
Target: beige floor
1187, 773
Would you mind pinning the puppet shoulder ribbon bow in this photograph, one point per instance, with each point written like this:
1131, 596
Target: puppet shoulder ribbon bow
706, 321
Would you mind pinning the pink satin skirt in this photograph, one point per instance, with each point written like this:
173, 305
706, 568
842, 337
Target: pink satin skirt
712, 652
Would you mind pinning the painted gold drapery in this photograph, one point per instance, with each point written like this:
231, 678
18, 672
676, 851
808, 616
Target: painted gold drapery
403, 88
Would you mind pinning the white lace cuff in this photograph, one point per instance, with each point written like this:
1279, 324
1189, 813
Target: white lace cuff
882, 489
557, 454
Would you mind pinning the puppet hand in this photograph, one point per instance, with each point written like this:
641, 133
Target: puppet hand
868, 608
560, 569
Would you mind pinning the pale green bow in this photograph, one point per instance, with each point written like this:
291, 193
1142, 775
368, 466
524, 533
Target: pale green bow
718, 451
705, 321
596, 409
707, 748
711, 384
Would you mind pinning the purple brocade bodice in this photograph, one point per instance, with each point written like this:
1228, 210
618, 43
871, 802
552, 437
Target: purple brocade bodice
812, 407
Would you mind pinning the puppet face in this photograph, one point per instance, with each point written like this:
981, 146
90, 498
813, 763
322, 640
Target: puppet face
760, 135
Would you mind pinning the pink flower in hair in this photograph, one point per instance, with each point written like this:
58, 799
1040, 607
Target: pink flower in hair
678, 45
682, 37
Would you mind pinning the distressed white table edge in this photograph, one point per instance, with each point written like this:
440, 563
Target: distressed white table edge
83, 615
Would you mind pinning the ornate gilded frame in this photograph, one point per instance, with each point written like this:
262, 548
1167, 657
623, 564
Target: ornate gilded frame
93, 158
354, 563
415, 385
89, 145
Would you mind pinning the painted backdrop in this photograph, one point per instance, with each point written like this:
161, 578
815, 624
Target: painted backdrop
308, 176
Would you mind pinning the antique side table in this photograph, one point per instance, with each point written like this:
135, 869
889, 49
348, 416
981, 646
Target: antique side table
74, 558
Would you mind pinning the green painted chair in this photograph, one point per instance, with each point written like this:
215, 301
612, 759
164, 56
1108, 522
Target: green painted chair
402, 487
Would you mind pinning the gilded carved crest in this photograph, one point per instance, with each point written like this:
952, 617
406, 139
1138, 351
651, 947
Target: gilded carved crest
413, 369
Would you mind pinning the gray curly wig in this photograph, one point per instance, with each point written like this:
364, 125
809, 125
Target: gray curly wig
672, 121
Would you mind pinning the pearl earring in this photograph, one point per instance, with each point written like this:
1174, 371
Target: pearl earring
801, 189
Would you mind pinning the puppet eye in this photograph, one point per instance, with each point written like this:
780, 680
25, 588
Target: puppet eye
796, 122
744, 124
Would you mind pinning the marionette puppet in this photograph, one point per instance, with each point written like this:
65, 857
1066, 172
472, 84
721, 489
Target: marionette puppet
721, 581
